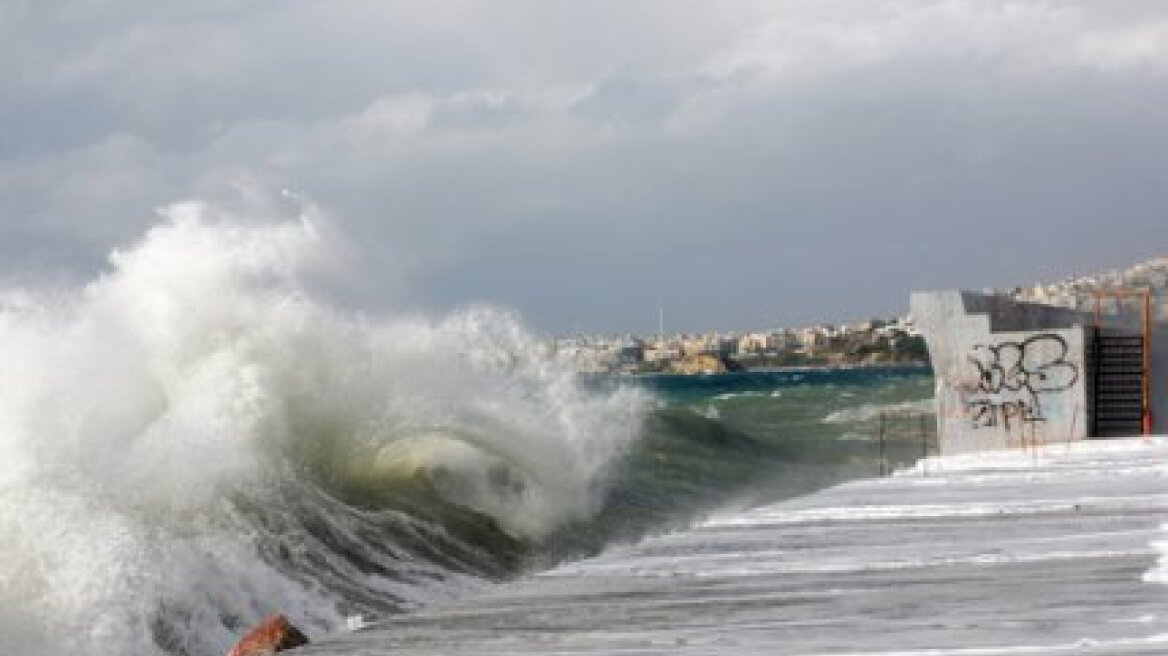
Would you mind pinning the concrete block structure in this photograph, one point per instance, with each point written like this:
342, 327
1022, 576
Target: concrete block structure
1011, 374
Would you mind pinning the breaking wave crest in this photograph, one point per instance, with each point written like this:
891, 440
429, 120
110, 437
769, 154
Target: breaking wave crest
192, 440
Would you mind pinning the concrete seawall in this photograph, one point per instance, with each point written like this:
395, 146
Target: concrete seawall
1012, 374
1008, 374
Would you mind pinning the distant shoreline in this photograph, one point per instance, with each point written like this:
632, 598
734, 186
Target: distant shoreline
907, 365
871, 343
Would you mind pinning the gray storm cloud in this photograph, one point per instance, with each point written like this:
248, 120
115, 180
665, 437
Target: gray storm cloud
744, 164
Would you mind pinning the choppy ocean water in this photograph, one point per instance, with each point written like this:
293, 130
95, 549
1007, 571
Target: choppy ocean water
194, 440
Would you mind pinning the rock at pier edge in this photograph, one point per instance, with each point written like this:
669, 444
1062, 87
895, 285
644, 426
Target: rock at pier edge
275, 633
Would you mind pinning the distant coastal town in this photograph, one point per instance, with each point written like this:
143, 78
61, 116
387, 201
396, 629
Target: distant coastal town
1077, 293
869, 342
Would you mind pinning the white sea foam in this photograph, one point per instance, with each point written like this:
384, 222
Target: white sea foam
1159, 573
870, 411
197, 369
733, 396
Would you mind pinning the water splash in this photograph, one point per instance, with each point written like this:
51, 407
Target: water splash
176, 434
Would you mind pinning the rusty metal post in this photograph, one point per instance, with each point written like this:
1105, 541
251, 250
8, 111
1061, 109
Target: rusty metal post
1147, 344
924, 424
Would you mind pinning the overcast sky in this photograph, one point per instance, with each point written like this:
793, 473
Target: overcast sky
744, 164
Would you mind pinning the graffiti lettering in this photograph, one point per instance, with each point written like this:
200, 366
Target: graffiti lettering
1011, 375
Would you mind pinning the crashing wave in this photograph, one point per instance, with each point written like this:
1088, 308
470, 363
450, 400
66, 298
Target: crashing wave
192, 440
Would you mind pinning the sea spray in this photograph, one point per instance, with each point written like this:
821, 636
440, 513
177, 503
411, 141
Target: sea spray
193, 440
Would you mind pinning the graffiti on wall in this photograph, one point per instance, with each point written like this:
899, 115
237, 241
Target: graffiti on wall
1013, 375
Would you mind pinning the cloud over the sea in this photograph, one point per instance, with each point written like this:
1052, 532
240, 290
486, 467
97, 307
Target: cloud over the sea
743, 163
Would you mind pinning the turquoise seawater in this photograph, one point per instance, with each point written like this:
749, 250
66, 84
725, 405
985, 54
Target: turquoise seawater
740, 439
